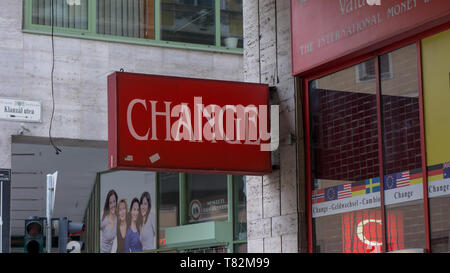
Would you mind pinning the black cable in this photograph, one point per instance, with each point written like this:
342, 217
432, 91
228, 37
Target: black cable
57, 150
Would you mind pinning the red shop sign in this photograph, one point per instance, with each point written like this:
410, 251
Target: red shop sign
162, 123
323, 31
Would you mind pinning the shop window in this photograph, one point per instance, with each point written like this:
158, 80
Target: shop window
207, 198
169, 205
344, 163
402, 157
345, 171
127, 211
240, 230
66, 14
366, 71
435, 71
188, 21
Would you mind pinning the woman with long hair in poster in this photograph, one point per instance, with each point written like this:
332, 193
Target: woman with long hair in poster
132, 241
122, 225
147, 228
108, 225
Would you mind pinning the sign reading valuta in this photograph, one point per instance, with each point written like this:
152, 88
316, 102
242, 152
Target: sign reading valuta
325, 31
163, 123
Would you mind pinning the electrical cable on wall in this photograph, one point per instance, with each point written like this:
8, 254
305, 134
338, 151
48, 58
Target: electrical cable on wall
57, 150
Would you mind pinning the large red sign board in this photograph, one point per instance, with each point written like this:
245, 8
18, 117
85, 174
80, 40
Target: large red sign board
327, 30
162, 123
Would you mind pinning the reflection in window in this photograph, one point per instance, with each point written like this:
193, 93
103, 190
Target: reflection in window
66, 14
344, 157
231, 23
402, 145
344, 149
190, 21
207, 197
168, 203
240, 231
366, 71
126, 18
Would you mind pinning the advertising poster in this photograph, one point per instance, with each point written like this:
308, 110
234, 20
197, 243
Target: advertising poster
127, 212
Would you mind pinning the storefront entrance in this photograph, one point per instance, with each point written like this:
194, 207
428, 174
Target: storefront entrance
378, 163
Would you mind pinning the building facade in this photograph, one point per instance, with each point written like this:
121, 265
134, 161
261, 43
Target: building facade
361, 166
360, 89
66, 75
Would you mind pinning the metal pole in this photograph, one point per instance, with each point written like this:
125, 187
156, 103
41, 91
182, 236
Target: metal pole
48, 214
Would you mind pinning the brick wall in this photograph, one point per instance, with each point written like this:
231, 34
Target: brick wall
345, 134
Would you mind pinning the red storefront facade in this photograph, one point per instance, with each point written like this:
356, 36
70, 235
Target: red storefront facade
374, 180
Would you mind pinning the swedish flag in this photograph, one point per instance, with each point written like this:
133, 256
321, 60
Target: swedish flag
372, 185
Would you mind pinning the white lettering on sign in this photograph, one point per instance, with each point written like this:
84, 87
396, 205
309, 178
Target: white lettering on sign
346, 7
246, 125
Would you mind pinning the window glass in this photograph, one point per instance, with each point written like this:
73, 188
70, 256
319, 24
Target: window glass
66, 13
403, 182
436, 98
189, 21
344, 163
240, 248
169, 196
231, 23
207, 197
240, 230
129, 18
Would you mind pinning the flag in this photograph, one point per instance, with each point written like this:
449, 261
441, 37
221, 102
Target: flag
318, 196
372, 185
403, 181
415, 177
345, 191
446, 170
358, 188
390, 181
435, 172
331, 193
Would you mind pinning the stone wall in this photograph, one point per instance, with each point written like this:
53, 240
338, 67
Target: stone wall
81, 69
275, 206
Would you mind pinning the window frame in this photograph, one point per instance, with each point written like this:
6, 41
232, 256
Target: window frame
303, 89
92, 214
91, 32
